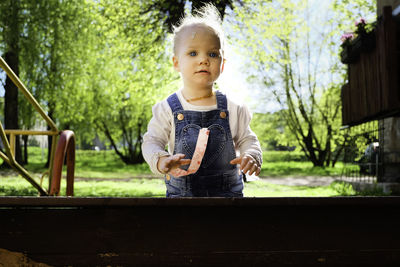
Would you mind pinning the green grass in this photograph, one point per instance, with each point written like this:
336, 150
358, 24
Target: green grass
294, 163
263, 189
104, 174
106, 164
294, 168
91, 164
16, 186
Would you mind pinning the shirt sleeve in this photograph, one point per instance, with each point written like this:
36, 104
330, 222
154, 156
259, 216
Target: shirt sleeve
247, 141
157, 135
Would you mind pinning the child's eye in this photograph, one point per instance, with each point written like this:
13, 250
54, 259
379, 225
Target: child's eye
193, 53
213, 54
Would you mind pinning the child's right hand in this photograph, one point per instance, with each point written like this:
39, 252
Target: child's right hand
168, 163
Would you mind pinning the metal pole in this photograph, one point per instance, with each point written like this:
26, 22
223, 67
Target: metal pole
29, 132
54, 141
27, 94
6, 145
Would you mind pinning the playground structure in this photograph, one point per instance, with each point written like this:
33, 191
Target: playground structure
65, 148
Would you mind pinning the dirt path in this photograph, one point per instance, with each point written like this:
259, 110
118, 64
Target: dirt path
292, 181
301, 181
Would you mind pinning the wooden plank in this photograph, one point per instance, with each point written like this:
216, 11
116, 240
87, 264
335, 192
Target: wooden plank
375, 89
203, 232
363, 85
345, 96
12, 202
387, 50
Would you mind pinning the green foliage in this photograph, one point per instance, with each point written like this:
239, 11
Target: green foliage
343, 188
128, 76
348, 12
95, 66
270, 130
294, 46
266, 127
283, 156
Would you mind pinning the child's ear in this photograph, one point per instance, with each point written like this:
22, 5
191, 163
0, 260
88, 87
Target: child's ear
175, 63
223, 65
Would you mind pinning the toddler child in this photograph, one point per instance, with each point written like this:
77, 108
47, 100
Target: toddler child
202, 127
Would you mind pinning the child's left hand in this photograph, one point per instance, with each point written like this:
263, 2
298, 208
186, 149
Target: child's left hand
247, 164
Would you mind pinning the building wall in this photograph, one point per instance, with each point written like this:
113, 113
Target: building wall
390, 141
382, 3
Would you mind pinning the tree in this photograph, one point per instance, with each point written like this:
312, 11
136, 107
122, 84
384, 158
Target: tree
269, 129
47, 34
10, 17
97, 67
129, 74
296, 57
170, 12
55, 35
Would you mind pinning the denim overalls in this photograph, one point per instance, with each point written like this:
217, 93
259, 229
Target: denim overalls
216, 177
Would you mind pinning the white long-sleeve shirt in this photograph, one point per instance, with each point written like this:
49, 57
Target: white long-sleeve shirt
161, 131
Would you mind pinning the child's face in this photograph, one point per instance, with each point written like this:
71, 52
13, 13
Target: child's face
198, 57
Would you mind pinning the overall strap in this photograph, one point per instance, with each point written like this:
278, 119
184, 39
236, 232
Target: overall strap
221, 100
174, 103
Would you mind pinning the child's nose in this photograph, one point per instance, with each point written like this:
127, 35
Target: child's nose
204, 60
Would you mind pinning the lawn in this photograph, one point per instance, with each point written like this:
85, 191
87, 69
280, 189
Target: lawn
106, 164
102, 173
153, 187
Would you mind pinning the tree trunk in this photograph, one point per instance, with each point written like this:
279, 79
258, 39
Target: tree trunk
11, 103
11, 38
25, 139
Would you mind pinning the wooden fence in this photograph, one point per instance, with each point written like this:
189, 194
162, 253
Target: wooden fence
373, 88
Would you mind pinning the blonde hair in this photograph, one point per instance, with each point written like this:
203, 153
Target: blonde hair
208, 15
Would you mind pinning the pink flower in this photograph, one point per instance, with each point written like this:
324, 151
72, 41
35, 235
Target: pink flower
361, 22
347, 37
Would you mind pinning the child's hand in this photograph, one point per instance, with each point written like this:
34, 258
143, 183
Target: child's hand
247, 164
168, 163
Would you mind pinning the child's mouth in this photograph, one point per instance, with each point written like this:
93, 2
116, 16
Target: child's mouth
202, 71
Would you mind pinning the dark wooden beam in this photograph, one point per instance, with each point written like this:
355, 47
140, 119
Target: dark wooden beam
203, 232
